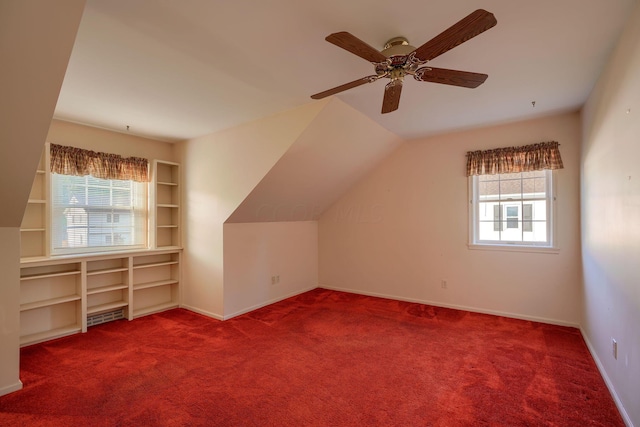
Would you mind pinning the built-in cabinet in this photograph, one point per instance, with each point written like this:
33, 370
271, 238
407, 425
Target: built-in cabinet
64, 296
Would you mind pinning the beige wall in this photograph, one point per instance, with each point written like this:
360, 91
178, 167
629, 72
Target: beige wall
255, 252
9, 310
35, 44
90, 138
404, 228
220, 170
611, 220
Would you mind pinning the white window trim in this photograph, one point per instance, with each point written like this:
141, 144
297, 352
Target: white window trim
551, 248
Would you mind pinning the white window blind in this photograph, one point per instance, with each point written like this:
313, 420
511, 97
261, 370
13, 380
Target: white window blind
92, 214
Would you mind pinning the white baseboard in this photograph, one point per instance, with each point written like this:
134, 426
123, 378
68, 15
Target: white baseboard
245, 310
203, 312
266, 303
11, 388
603, 373
457, 307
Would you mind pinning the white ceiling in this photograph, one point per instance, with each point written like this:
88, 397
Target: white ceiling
174, 70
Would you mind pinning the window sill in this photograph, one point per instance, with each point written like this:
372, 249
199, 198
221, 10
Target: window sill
514, 248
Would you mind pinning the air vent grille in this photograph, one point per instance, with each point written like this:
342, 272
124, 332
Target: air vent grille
105, 317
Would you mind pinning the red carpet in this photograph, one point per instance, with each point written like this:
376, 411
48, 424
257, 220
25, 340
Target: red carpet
323, 358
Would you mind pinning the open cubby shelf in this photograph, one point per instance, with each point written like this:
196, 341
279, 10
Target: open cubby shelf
57, 295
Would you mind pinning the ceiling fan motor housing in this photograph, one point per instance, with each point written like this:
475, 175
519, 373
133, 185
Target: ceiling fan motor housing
397, 51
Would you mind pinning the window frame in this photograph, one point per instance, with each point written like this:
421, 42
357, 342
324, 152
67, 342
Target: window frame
550, 246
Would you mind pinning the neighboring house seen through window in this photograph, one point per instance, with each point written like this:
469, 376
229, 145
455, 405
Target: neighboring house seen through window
512, 209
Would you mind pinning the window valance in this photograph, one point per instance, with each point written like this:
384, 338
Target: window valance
79, 162
544, 155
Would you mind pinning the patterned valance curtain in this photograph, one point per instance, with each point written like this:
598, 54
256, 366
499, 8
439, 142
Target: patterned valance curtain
544, 155
79, 162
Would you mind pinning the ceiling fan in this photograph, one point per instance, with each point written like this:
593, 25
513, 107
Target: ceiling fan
399, 58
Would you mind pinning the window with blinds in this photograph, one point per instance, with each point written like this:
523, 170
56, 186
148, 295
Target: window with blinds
92, 214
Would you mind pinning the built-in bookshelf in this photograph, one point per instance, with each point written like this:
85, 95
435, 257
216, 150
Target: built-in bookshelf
50, 301
167, 204
64, 296
33, 230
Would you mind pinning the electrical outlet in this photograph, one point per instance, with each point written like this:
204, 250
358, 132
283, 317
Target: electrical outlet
614, 348
443, 284
275, 279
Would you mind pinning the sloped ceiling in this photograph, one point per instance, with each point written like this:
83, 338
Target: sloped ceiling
336, 149
176, 70
36, 39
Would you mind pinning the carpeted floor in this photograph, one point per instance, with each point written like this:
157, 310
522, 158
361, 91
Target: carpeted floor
323, 358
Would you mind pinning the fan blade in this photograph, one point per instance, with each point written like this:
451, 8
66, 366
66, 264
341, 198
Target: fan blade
346, 86
450, 77
475, 23
391, 99
356, 46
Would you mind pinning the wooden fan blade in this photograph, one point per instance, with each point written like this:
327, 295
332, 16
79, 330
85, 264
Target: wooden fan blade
345, 86
356, 46
475, 23
391, 99
450, 77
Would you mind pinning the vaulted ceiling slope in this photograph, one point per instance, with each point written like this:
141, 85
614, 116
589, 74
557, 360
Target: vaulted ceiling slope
336, 149
35, 45
176, 70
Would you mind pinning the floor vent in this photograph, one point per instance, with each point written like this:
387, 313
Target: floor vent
105, 317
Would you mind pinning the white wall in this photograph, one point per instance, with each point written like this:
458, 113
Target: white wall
404, 228
256, 252
219, 171
611, 220
36, 38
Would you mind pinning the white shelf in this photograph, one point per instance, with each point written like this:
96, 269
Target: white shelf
103, 289
155, 264
167, 183
107, 271
31, 230
147, 285
168, 226
167, 205
49, 302
46, 275
37, 201
50, 334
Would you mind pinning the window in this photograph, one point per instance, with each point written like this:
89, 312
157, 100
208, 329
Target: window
512, 209
91, 214
98, 201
